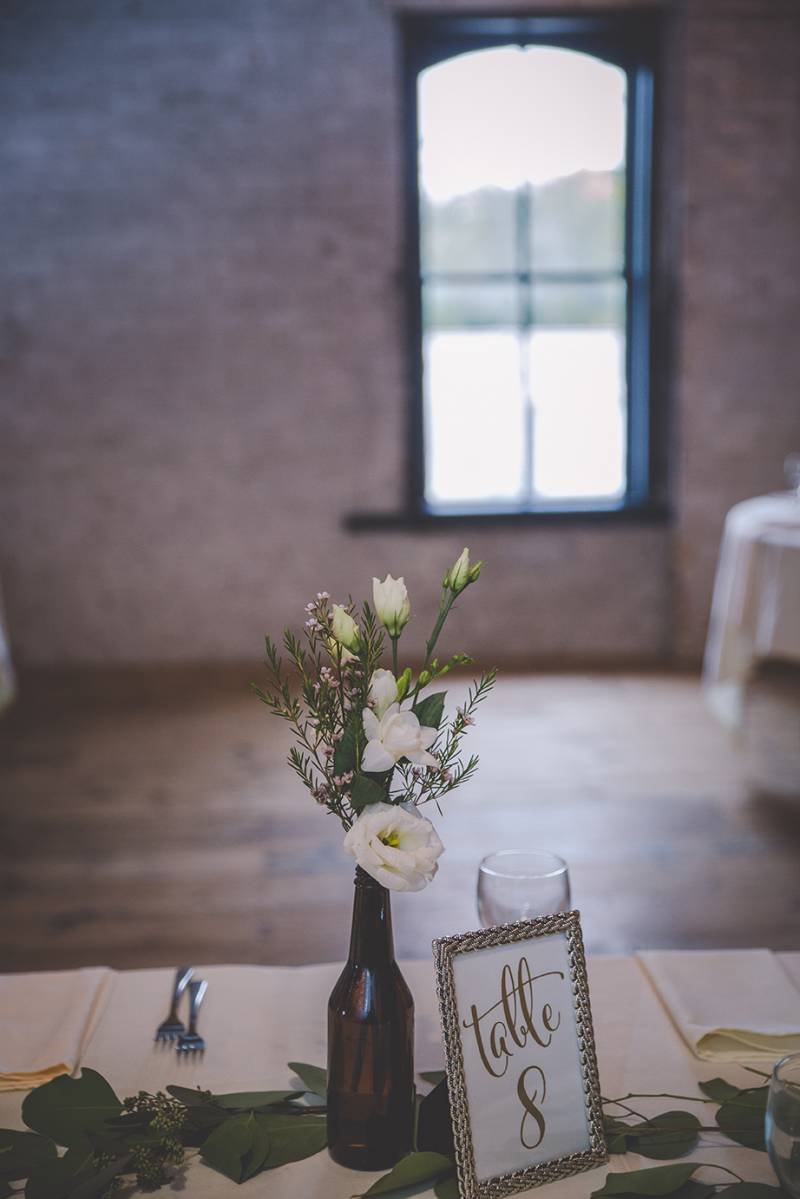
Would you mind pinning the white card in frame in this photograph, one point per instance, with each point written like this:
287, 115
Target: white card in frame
520, 1055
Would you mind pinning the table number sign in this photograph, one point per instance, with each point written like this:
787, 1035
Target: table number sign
521, 1067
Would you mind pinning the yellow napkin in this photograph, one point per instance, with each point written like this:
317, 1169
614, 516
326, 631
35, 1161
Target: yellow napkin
729, 1005
45, 1022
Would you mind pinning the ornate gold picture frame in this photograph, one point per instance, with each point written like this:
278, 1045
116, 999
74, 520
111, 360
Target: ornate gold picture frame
520, 1055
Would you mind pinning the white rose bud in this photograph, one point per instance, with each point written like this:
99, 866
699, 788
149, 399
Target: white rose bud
345, 629
397, 847
382, 691
461, 574
392, 604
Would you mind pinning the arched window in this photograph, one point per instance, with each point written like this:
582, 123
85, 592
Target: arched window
529, 231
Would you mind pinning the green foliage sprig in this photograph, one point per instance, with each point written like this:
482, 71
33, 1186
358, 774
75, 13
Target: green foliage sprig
146, 1141
320, 684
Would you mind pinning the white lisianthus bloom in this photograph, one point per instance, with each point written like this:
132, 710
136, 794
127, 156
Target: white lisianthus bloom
397, 847
397, 734
345, 629
382, 691
392, 604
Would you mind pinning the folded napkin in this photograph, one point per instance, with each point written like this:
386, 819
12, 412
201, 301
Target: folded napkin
45, 1022
728, 1005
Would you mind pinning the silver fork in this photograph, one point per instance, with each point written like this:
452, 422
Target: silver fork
191, 1041
172, 1027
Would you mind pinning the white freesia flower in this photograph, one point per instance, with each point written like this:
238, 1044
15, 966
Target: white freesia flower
397, 734
397, 847
382, 691
392, 604
461, 574
345, 629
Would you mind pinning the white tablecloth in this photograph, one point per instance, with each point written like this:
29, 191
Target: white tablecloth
257, 1018
755, 612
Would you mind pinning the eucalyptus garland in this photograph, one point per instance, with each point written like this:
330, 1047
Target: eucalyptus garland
147, 1140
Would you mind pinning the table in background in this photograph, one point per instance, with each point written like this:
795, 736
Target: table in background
258, 1018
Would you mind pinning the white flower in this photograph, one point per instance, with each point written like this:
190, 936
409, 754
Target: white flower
392, 604
345, 629
397, 734
397, 847
382, 690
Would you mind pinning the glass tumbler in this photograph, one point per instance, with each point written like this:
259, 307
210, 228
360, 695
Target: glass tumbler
521, 884
782, 1128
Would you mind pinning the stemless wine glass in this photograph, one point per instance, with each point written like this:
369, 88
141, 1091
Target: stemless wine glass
520, 884
782, 1128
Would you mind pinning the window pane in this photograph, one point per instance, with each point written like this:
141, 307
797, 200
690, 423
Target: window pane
597, 304
474, 232
578, 223
577, 380
474, 416
469, 305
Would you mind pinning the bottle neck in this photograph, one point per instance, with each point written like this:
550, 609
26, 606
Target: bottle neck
371, 940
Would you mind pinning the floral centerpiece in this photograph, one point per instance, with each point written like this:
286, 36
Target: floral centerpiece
372, 745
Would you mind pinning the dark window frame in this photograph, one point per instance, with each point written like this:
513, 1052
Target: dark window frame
630, 40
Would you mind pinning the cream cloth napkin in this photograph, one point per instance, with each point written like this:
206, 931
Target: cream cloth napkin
728, 1005
45, 1022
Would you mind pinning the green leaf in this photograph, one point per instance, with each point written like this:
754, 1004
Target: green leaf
411, 1169
429, 710
616, 1134
255, 1100
66, 1108
313, 1077
189, 1097
670, 1134
753, 1190
344, 754
20, 1152
742, 1119
292, 1138
434, 1122
73, 1176
659, 1180
718, 1089
237, 1148
434, 1077
689, 1190
447, 1188
365, 790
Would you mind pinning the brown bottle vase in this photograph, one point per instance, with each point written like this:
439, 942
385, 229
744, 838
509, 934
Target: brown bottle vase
370, 1042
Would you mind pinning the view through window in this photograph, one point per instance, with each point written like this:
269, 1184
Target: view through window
522, 170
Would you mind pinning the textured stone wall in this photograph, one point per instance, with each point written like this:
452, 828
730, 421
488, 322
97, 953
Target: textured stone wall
201, 349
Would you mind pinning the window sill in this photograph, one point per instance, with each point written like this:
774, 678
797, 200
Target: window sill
410, 520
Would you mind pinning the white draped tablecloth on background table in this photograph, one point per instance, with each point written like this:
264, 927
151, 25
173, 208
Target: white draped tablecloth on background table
755, 614
258, 1018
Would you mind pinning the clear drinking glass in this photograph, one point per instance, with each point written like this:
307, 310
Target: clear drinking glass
521, 884
782, 1128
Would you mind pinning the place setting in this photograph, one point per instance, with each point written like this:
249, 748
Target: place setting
519, 1100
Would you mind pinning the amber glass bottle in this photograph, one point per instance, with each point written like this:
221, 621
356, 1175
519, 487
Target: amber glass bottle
370, 1042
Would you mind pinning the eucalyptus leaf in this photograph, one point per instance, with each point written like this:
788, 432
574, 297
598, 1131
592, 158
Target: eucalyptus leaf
719, 1090
292, 1138
434, 1077
364, 791
753, 1190
66, 1108
313, 1077
20, 1152
254, 1100
447, 1188
190, 1097
233, 1144
410, 1170
689, 1190
434, 1124
659, 1180
742, 1119
72, 1176
670, 1134
429, 710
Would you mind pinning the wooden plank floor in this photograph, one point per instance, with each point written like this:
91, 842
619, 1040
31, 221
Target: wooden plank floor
148, 818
